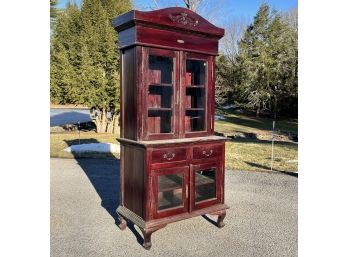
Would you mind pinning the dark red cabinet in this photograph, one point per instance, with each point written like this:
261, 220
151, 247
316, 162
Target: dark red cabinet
172, 164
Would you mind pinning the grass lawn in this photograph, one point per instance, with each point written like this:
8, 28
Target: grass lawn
236, 122
253, 155
60, 141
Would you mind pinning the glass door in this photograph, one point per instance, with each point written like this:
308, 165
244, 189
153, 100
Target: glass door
195, 89
206, 189
160, 97
170, 191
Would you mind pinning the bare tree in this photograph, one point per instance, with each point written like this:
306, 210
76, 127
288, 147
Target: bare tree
155, 2
291, 16
193, 4
233, 32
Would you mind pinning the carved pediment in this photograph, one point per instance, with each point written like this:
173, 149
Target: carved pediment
183, 19
177, 18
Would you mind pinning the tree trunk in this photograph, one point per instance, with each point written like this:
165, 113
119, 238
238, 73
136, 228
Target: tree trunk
100, 121
275, 108
103, 121
258, 111
97, 123
116, 127
110, 127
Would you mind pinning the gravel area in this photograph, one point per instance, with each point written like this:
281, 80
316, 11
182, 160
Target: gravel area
261, 221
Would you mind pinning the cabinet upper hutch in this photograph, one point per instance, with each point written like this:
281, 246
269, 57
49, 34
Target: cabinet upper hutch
172, 164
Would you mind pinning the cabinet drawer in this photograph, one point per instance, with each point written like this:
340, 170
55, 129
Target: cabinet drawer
202, 152
168, 155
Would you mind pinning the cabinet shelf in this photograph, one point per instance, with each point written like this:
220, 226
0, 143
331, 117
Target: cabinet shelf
159, 109
195, 86
165, 204
194, 109
169, 183
203, 180
161, 85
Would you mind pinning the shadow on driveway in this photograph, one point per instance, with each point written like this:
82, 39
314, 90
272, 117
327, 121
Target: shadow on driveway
104, 175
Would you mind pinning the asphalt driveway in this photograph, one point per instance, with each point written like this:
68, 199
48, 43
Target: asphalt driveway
261, 221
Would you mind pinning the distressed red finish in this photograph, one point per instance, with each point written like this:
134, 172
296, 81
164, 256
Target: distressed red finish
172, 165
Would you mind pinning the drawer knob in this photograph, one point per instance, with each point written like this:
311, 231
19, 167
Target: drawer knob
207, 154
168, 156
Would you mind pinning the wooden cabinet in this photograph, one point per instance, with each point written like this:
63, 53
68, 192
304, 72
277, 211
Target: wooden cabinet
172, 164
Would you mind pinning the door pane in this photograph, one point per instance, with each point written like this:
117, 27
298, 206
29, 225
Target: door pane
195, 82
205, 184
161, 69
170, 191
160, 94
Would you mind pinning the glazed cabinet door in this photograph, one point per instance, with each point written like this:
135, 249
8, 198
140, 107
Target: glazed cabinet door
170, 191
196, 90
206, 185
160, 84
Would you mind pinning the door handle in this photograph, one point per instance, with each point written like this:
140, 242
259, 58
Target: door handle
168, 156
207, 154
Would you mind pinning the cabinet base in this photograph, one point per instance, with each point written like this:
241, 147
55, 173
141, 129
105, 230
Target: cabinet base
148, 227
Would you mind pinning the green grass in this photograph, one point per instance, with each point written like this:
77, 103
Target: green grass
60, 141
256, 156
242, 154
236, 122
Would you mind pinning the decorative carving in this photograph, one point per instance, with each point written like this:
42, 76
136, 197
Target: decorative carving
183, 19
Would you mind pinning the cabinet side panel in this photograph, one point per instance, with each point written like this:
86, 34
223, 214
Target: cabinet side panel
134, 165
128, 108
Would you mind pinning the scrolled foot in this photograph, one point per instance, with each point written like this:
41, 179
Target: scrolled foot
147, 238
220, 221
147, 245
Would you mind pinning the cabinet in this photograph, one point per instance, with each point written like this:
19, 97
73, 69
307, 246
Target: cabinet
172, 164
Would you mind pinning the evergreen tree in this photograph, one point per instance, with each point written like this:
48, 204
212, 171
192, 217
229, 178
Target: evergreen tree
65, 56
53, 12
268, 63
85, 59
100, 39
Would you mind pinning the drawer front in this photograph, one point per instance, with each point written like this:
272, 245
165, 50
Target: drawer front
202, 152
168, 155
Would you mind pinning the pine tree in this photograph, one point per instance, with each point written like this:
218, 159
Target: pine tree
100, 39
65, 56
53, 12
268, 63
85, 59
253, 60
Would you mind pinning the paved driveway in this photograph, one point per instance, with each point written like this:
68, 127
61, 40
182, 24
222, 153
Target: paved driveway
64, 116
262, 220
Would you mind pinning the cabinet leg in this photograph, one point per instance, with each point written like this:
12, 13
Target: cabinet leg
147, 239
123, 223
147, 236
220, 221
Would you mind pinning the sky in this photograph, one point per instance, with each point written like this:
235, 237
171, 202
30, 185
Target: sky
228, 10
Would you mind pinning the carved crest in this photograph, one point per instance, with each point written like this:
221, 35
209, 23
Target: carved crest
183, 19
